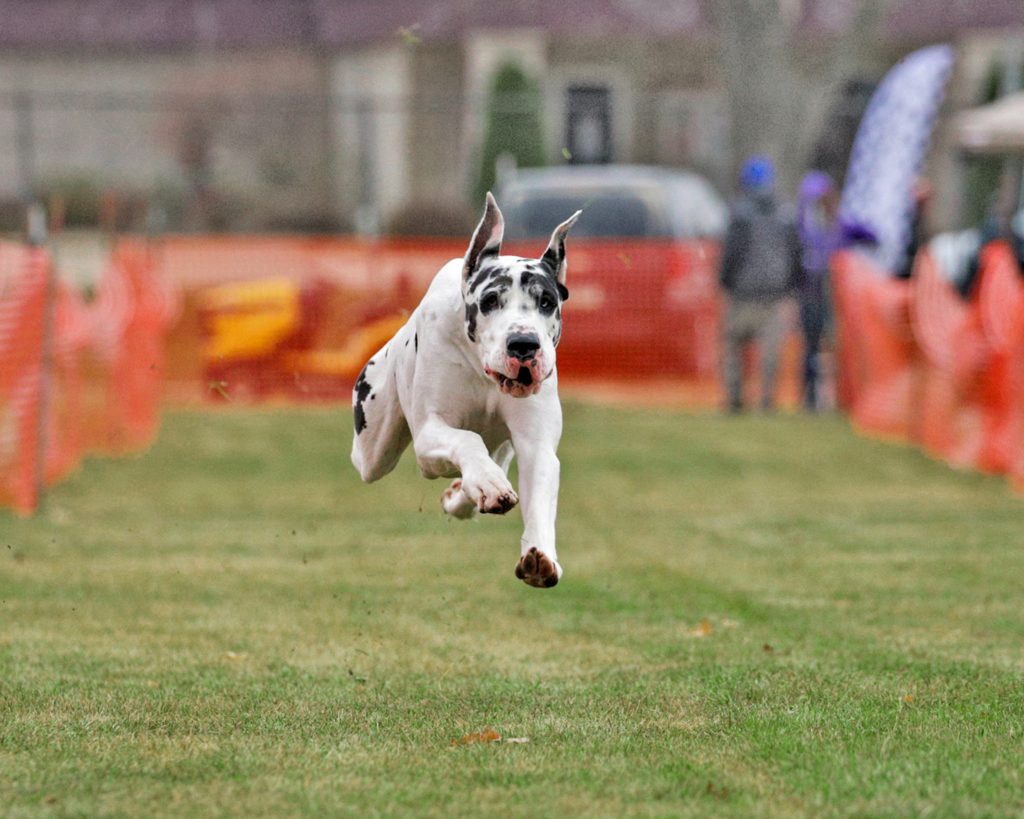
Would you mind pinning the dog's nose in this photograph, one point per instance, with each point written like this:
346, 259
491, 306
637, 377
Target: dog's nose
523, 346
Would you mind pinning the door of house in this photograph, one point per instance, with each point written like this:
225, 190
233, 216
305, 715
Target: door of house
589, 124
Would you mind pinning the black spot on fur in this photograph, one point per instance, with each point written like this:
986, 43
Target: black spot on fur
484, 274
553, 256
471, 311
490, 298
547, 262
416, 342
543, 289
361, 391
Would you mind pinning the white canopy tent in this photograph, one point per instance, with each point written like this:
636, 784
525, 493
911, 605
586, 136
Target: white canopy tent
995, 128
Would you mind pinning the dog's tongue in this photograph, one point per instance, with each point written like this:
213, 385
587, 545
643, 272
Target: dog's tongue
525, 377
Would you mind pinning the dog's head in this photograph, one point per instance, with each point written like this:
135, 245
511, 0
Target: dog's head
514, 305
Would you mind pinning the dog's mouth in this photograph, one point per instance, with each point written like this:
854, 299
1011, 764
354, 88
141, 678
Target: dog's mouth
523, 383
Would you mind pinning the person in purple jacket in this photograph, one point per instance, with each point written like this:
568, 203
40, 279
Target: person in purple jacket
820, 234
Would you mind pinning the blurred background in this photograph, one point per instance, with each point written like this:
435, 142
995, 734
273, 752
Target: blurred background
372, 117
237, 201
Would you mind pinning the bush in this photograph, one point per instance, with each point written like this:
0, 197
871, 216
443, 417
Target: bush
513, 126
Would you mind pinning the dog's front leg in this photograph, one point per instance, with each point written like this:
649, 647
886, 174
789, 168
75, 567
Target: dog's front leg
538, 490
443, 450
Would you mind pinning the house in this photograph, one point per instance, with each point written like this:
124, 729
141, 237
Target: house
254, 114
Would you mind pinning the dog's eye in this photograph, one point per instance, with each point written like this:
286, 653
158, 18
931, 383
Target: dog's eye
488, 302
547, 303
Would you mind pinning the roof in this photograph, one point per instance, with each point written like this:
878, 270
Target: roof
361, 20
171, 24
147, 24
940, 19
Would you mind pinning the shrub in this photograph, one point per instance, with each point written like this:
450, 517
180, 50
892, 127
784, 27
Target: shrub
513, 125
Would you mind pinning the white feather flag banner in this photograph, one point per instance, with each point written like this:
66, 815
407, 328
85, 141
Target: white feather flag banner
889, 151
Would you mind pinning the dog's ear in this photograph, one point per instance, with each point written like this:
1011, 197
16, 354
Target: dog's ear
487, 238
554, 256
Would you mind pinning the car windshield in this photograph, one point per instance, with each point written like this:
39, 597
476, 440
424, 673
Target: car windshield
619, 214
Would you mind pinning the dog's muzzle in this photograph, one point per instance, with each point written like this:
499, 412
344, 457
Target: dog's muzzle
520, 378
523, 346
521, 371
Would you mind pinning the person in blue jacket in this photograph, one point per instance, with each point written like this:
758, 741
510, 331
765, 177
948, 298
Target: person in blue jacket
760, 272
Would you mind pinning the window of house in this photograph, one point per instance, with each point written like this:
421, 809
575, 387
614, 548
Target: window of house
589, 124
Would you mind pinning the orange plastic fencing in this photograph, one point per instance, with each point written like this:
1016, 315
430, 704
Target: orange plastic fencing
23, 302
64, 418
921, 363
879, 359
76, 377
956, 355
1000, 295
314, 318
143, 307
316, 309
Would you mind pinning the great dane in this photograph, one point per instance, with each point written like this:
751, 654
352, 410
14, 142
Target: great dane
470, 380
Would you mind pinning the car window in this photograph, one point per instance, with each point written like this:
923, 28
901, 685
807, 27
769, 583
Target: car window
530, 214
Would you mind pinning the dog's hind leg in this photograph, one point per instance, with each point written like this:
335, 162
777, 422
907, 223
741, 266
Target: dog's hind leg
456, 502
380, 431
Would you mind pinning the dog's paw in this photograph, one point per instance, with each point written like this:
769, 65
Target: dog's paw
492, 494
456, 502
537, 569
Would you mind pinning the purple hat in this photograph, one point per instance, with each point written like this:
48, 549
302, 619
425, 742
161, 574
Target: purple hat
815, 185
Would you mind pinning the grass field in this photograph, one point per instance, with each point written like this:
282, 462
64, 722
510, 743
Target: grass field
759, 616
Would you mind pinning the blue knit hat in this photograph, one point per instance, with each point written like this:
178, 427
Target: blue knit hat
758, 173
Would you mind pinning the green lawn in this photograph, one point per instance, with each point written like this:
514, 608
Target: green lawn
759, 616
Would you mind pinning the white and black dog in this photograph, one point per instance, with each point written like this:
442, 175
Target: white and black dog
470, 380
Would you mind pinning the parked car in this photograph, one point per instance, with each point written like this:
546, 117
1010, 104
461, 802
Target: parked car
642, 263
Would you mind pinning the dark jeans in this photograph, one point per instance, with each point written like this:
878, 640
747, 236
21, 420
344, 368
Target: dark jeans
815, 319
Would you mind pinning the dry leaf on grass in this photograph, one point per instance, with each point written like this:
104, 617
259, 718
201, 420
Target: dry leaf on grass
490, 735
703, 629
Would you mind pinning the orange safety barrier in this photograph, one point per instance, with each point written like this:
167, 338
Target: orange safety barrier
956, 355
24, 278
125, 361
64, 430
637, 309
1000, 295
951, 378
341, 291
879, 361
76, 377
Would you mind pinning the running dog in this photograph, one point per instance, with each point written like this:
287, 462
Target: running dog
470, 380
